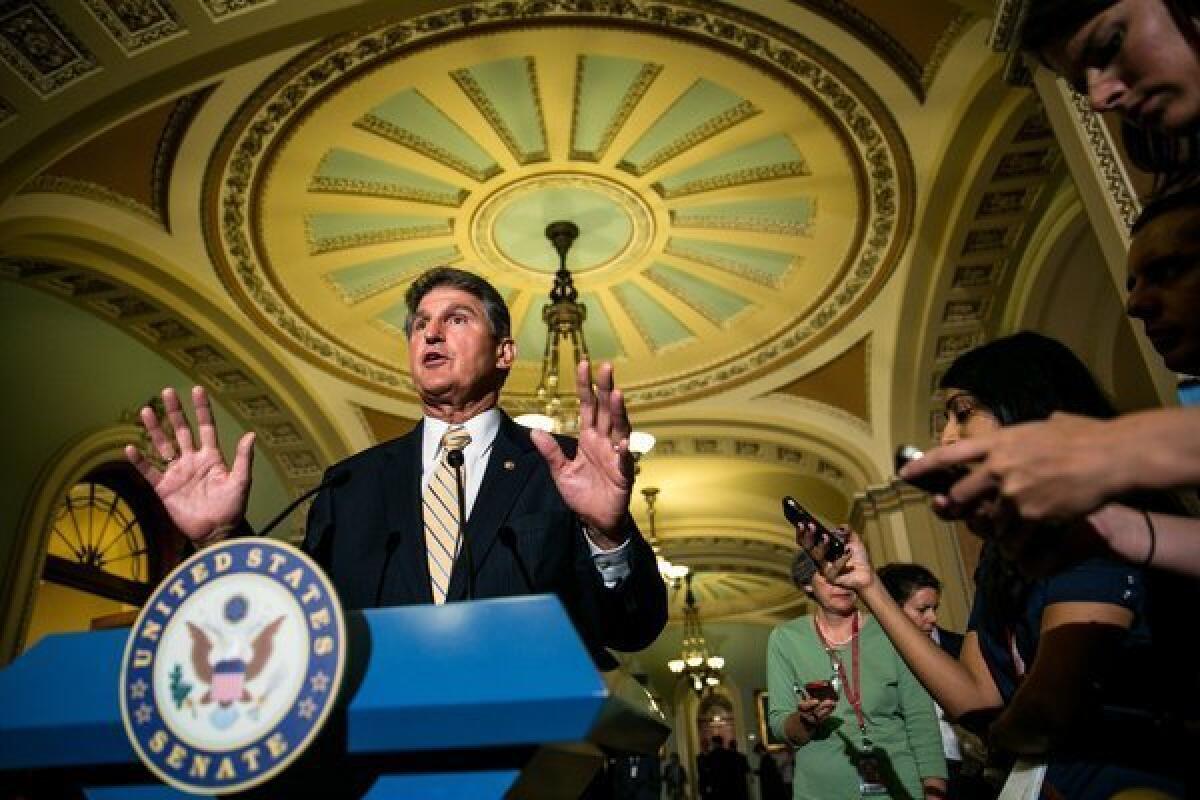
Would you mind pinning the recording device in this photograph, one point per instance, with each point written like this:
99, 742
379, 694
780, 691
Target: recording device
338, 478
798, 690
796, 514
936, 482
821, 690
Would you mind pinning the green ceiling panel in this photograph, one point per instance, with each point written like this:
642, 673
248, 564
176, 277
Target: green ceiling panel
700, 113
602, 340
766, 267
658, 326
360, 281
348, 172
409, 119
607, 89
531, 335
764, 160
506, 93
791, 215
717, 304
326, 232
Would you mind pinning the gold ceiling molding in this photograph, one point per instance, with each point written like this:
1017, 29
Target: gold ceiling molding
842, 383
916, 76
879, 163
129, 166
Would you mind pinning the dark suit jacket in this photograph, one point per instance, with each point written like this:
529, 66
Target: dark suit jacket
367, 533
950, 641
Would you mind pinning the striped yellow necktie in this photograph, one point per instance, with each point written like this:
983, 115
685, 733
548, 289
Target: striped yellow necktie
440, 512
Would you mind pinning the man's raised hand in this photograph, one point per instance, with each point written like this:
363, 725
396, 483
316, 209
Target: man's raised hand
204, 497
597, 482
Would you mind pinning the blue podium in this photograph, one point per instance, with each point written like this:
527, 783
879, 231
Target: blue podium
492, 698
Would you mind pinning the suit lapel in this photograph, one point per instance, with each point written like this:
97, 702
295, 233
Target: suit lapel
510, 464
407, 578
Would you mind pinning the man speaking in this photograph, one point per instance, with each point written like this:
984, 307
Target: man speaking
467, 505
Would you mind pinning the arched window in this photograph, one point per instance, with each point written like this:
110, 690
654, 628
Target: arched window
109, 543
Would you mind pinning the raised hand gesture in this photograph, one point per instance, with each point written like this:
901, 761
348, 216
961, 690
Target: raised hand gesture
205, 498
596, 484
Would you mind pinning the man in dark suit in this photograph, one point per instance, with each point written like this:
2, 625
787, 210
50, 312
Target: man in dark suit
543, 513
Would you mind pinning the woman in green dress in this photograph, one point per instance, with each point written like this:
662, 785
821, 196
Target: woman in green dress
861, 724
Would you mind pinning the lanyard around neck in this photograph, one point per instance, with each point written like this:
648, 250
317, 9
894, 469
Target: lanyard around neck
851, 683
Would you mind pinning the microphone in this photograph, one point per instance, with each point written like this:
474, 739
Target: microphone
338, 478
455, 459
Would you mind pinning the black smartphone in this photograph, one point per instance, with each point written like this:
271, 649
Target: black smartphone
936, 482
799, 517
821, 690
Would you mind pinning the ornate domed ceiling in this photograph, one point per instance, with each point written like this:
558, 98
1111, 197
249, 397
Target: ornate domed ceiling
743, 194
739, 193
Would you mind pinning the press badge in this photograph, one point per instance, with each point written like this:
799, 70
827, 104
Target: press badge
870, 773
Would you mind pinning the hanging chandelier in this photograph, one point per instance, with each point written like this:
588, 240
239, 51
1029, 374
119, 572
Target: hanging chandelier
564, 315
701, 669
672, 574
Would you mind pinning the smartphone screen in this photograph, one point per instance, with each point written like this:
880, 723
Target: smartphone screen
821, 690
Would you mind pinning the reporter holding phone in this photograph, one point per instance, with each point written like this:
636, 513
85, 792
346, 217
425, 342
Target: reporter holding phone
875, 734
1078, 658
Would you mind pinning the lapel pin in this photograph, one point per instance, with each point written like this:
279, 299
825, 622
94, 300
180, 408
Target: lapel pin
510, 465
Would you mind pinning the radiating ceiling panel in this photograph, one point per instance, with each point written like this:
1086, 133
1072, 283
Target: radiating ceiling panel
409, 119
700, 113
607, 89
715, 303
765, 267
602, 340
506, 93
767, 159
327, 232
657, 325
347, 172
792, 216
357, 282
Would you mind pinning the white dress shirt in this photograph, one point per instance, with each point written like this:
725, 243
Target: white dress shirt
613, 565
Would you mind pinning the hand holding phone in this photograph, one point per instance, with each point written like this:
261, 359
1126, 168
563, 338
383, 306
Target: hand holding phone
935, 482
799, 517
821, 690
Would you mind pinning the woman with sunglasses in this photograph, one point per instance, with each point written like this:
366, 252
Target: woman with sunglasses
1075, 656
861, 724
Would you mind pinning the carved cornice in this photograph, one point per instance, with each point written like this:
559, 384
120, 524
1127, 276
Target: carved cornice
1108, 162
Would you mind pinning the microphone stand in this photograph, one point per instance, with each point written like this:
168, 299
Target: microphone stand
455, 459
336, 479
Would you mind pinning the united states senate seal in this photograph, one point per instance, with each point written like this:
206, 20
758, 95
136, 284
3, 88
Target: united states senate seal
233, 666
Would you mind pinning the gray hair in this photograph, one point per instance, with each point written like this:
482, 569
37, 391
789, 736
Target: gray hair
494, 307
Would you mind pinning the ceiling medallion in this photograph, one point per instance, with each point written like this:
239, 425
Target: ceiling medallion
508, 227
751, 192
